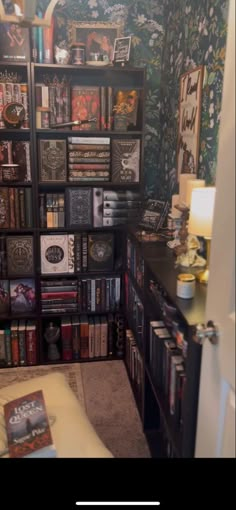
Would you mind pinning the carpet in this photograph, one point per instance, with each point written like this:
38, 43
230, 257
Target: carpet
71, 372
111, 408
104, 391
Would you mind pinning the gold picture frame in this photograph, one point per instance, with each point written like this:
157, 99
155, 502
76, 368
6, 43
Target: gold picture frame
97, 37
190, 99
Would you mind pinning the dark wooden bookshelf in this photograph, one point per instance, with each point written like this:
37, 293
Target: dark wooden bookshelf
107, 76
159, 266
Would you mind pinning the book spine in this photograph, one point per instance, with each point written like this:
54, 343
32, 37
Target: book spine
7, 338
66, 339
31, 346
28, 207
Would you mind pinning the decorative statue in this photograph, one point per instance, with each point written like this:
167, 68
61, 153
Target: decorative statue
190, 257
51, 335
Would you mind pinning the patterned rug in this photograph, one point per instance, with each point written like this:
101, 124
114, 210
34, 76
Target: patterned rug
71, 372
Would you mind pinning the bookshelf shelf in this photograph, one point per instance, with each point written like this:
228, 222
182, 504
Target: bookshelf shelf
48, 203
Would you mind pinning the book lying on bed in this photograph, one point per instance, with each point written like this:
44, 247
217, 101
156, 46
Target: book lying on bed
27, 427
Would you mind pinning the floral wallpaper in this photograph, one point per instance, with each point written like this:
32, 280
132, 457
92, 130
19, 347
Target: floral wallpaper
195, 34
169, 38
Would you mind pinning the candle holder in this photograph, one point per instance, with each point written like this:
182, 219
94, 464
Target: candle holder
183, 232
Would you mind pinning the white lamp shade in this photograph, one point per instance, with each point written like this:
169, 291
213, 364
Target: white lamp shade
201, 212
196, 183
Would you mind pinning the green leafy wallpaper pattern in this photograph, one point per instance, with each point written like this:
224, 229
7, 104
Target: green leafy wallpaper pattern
169, 37
195, 34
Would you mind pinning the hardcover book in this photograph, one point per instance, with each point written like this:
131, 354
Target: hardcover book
20, 255
27, 426
52, 161
22, 295
100, 252
14, 43
85, 105
125, 160
21, 156
54, 253
79, 207
125, 109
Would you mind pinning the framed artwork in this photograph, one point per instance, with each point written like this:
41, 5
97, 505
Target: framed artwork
190, 97
122, 49
98, 38
154, 214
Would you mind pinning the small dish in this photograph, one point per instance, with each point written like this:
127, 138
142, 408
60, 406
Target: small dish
98, 63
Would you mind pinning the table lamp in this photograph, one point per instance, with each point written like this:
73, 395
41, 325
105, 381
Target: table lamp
200, 221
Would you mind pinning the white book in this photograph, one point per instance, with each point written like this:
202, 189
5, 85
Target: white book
54, 253
89, 140
71, 253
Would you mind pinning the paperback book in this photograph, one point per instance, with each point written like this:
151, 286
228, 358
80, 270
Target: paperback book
27, 426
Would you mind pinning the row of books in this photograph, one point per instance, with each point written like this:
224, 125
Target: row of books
135, 263
83, 336
134, 363
135, 311
18, 153
167, 367
18, 344
69, 253
52, 210
60, 253
82, 295
104, 107
89, 159
84, 159
16, 208
115, 207
14, 92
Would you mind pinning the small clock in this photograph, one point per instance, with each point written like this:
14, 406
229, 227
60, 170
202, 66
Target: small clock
13, 114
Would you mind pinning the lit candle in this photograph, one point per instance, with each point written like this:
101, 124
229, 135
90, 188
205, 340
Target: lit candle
183, 179
191, 184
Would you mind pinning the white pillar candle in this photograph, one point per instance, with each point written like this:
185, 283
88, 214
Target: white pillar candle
191, 184
174, 212
183, 179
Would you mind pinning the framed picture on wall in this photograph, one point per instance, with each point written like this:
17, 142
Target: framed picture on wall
190, 98
98, 38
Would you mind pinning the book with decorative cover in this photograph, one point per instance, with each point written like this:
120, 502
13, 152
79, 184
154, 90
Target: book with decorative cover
28, 428
85, 105
125, 160
22, 295
52, 160
20, 257
54, 253
125, 109
14, 43
79, 207
100, 252
4, 296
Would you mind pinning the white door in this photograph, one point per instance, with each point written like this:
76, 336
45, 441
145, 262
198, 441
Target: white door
216, 410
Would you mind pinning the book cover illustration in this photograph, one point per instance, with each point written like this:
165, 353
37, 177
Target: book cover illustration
100, 252
52, 164
4, 296
27, 426
54, 253
125, 160
14, 43
22, 295
20, 260
125, 109
79, 207
85, 105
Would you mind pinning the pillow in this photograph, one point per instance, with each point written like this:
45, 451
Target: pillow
72, 433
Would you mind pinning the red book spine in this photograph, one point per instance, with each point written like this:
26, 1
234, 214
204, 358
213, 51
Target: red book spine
62, 295
31, 347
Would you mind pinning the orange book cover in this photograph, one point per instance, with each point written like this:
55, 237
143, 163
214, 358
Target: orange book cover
28, 428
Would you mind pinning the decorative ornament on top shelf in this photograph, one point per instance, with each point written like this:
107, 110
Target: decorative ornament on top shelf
23, 12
